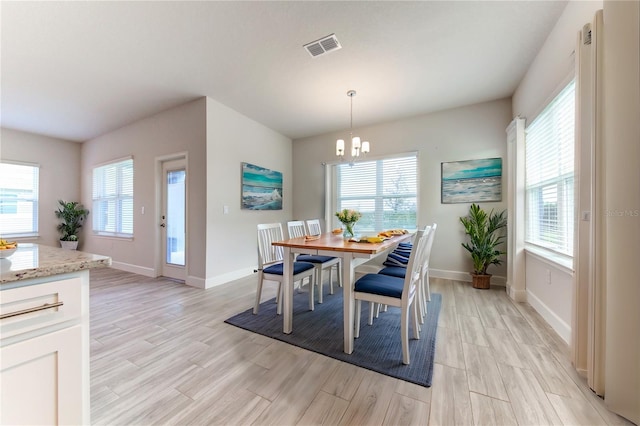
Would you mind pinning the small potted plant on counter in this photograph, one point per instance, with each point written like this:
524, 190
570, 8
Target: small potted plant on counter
72, 215
484, 237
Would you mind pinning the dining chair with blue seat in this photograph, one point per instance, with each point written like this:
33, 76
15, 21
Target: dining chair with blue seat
314, 228
424, 295
297, 229
271, 267
394, 291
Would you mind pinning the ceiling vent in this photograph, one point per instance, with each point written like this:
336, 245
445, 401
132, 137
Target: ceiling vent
323, 46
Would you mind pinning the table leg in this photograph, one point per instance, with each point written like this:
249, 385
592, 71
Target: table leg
287, 291
348, 301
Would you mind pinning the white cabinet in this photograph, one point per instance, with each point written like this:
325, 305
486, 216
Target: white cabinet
44, 351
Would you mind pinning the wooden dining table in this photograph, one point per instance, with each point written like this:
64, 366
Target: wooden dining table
329, 244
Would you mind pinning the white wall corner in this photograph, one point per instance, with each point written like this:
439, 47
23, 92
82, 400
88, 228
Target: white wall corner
141, 270
196, 282
516, 294
562, 328
229, 276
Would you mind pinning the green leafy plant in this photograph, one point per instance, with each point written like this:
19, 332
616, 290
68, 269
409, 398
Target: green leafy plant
72, 215
484, 234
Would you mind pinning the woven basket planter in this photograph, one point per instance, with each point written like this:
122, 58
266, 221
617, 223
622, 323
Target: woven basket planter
481, 281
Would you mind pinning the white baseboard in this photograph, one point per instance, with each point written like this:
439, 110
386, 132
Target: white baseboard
225, 278
196, 282
127, 267
464, 276
517, 295
562, 328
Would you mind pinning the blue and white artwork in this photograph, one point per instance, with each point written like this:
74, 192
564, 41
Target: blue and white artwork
261, 188
472, 181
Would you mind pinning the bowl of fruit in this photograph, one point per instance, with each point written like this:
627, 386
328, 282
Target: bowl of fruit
7, 248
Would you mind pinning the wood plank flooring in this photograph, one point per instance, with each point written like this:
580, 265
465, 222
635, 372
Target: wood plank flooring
161, 354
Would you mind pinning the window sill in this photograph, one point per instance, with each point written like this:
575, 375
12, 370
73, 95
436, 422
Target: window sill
113, 237
560, 261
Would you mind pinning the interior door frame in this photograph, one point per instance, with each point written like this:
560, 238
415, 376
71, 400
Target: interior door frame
159, 178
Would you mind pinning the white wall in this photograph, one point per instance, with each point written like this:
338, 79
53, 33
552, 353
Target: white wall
549, 288
59, 162
233, 138
548, 72
471, 132
180, 129
554, 60
621, 144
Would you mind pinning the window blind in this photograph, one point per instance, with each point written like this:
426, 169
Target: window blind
384, 191
18, 200
113, 199
549, 181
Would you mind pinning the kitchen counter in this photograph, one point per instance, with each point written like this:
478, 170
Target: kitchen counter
44, 335
37, 261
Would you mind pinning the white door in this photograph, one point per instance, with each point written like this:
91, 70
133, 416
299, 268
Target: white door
173, 219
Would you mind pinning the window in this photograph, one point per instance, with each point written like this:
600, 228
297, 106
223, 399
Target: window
113, 199
18, 200
549, 147
384, 191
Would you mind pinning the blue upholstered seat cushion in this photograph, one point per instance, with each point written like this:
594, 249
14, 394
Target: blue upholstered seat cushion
383, 285
314, 258
394, 271
298, 267
395, 259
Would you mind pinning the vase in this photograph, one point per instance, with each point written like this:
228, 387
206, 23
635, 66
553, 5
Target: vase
348, 230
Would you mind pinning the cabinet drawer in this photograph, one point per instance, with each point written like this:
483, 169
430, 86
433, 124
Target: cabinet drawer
37, 306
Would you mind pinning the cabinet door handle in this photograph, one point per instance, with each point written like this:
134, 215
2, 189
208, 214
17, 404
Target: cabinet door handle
29, 310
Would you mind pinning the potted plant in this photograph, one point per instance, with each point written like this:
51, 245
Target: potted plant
484, 234
72, 215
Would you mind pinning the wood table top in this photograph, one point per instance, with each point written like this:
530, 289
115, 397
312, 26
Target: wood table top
336, 242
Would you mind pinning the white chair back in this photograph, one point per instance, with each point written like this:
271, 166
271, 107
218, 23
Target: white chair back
314, 227
296, 229
268, 253
412, 276
428, 245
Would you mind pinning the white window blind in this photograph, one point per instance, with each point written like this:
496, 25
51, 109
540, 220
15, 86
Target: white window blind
18, 200
549, 148
113, 199
384, 191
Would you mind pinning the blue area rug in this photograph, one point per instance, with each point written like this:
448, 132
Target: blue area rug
378, 348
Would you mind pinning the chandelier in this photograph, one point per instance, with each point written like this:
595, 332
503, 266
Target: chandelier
357, 147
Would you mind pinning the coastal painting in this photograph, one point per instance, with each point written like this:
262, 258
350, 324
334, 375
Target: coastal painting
261, 188
472, 181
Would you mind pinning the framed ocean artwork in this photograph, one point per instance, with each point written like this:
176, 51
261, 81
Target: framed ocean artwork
472, 181
261, 188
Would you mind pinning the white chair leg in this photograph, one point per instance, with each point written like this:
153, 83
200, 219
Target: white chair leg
331, 278
420, 303
320, 283
340, 273
256, 306
372, 308
404, 331
378, 309
279, 299
311, 291
426, 289
356, 331
416, 326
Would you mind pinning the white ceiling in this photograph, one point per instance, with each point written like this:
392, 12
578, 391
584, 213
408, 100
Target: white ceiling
76, 70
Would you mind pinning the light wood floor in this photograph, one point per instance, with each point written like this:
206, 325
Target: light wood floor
161, 354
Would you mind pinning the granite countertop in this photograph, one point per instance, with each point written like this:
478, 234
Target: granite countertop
35, 260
